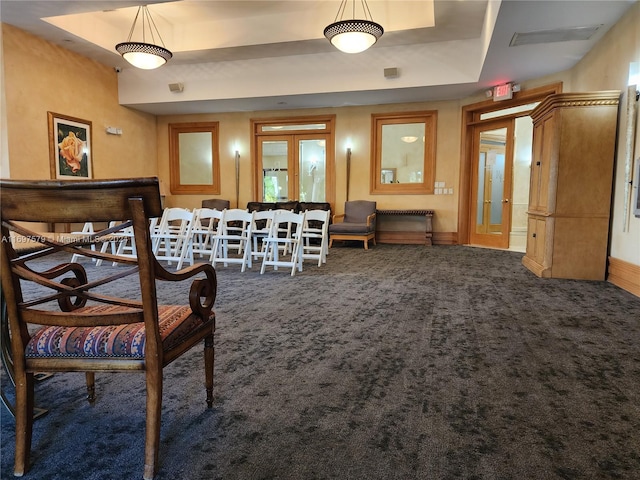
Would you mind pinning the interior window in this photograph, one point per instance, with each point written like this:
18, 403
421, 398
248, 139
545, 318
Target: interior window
403, 153
194, 158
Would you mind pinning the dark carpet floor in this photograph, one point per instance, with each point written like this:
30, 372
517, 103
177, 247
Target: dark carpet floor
402, 362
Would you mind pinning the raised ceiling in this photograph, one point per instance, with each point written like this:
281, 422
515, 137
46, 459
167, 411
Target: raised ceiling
255, 55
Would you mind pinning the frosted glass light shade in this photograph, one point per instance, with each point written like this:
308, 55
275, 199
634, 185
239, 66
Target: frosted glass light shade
143, 55
353, 36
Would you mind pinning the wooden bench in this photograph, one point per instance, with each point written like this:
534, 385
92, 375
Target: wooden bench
404, 226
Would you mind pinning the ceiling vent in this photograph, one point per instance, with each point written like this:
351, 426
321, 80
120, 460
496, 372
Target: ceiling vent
551, 36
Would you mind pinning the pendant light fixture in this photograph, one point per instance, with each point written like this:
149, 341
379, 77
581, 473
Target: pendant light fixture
142, 54
353, 36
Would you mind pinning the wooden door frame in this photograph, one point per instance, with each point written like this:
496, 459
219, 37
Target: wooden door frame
470, 116
509, 125
329, 120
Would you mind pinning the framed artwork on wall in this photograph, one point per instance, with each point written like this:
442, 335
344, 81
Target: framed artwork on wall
69, 147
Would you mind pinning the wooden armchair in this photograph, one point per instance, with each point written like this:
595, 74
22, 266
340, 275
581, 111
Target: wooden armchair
62, 318
357, 223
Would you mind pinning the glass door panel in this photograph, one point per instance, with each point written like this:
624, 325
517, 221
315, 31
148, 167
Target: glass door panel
312, 171
492, 184
497, 188
294, 159
294, 167
275, 170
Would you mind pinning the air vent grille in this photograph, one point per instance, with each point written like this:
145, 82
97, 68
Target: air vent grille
552, 36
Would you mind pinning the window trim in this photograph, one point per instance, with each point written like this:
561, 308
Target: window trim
177, 188
426, 187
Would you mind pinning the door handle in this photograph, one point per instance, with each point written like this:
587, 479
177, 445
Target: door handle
506, 200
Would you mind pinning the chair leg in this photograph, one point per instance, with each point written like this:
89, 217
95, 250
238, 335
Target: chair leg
208, 368
91, 387
154, 411
24, 423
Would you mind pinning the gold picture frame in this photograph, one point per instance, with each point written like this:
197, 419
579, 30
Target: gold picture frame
70, 145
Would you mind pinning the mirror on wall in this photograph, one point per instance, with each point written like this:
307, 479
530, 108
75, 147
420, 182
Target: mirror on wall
403, 147
194, 158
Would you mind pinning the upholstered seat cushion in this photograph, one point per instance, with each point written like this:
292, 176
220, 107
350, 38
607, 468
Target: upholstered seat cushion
351, 228
176, 322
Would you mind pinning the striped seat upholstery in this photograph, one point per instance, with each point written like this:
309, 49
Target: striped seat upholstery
123, 341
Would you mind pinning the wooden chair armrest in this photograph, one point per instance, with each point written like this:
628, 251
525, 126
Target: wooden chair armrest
336, 217
182, 274
371, 218
202, 294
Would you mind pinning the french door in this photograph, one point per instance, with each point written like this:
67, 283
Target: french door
294, 159
293, 167
491, 185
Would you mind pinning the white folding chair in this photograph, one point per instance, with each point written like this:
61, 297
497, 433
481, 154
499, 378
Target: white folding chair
260, 230
289, 222
284, 230
315, 236
234, 232
122, 243
173, 241
87, 228
205, 227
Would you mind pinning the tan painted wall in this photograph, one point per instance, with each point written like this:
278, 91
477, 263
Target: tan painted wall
606, 67
39, 77
353, 125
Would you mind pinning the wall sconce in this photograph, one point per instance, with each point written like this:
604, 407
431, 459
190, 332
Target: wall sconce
237, 179
348, 170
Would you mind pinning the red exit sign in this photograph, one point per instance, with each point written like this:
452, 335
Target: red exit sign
502, 92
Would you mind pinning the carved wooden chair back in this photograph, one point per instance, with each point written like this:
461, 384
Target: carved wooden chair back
65, 316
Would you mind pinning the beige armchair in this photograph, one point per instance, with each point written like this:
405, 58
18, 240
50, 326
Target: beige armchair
357, 223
